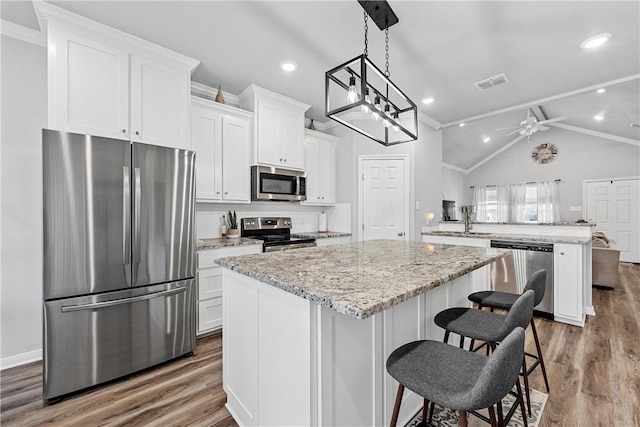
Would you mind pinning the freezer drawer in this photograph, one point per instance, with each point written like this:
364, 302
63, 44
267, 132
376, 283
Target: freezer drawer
92, 339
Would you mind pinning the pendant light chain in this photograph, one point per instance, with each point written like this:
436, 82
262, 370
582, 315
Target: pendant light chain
366, 31
386, 56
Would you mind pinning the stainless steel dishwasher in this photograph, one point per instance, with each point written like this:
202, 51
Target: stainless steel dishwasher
510, 273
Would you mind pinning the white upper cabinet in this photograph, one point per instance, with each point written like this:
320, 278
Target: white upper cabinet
107, 83
320, 153
221, 138
278, 128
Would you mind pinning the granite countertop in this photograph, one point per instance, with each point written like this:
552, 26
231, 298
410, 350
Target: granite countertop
327, 234
512, 237
223, 242
547, 224
363, 278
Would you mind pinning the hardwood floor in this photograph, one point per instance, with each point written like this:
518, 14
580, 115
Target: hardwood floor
594, 374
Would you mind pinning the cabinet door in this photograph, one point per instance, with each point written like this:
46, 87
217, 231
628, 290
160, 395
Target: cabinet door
293, 139
88, 85
312, 153
236, 148
205, 131
328, 172
568, 283
159, 104
269, 135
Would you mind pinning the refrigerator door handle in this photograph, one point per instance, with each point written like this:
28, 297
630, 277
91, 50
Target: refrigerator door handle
126, 217
136, 224
97, 305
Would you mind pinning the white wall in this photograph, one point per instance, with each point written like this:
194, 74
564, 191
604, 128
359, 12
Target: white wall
24, 114
580, 157
425, 163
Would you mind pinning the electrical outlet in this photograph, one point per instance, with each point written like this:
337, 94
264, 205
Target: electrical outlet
575, 208
417, 205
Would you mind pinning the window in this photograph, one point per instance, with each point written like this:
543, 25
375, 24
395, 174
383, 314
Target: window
492, 204
530, 211
534, 202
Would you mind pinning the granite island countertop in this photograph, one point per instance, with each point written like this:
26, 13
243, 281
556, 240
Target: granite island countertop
363, 278
326, 234
512, 237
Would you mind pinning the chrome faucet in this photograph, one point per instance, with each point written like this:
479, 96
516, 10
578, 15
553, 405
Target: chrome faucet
466, 211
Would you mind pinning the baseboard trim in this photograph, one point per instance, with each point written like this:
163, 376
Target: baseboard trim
20, 359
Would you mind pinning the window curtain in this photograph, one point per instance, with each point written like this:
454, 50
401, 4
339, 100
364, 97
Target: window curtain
547, 202
479, 202
503, 196
518, 199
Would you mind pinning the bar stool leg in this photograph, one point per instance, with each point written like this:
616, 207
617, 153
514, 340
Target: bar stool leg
396, 407
525, 374
463, 418
425, 411
492, 416
524, 416
500, 414
535, 338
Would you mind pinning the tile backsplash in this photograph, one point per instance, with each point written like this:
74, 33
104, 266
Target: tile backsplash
304, 218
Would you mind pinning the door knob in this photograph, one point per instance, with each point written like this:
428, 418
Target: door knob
400, 234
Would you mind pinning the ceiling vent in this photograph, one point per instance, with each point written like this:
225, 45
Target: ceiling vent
492, 81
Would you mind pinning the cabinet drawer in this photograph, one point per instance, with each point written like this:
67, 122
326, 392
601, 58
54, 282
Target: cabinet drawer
209, 315
209, 283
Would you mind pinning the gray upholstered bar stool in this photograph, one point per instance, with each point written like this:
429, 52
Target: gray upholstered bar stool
455, 378
505, 300
491, 328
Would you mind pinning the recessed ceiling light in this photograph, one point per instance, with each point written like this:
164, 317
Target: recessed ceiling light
598, 118
428, 100
461, 125
487, 139
595, 41
601, 90
288, 66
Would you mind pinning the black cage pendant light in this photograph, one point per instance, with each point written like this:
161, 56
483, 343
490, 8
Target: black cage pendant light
362, 97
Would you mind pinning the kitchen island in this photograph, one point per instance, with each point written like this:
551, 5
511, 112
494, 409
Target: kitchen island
307, 332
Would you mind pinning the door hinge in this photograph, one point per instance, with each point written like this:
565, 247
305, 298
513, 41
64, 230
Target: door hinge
363, 177
362, 227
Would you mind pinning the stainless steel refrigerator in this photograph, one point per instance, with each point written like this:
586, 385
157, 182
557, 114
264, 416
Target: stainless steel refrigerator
119, 258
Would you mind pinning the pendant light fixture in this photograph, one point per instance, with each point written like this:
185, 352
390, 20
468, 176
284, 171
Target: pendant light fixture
397, 121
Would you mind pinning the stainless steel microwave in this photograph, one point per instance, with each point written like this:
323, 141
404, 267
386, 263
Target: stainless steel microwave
269, 183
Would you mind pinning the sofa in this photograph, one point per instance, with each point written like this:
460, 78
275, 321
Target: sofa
604, 262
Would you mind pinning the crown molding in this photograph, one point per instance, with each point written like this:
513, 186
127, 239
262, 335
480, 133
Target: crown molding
208, 92
595, 133
455, 168
24, 34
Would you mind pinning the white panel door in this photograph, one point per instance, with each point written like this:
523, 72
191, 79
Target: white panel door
205, 132
88, 86
159, 104
615, 207
384, 199
236, 149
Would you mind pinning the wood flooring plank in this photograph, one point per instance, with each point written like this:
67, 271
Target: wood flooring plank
594, 375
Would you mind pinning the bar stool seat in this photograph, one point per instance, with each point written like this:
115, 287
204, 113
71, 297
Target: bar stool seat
454, 378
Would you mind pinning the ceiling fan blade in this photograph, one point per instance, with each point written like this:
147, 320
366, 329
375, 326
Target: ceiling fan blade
514, 132
512, 127
557, 119
543, 128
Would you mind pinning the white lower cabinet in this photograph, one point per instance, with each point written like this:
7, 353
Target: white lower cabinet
568, 284
210, 280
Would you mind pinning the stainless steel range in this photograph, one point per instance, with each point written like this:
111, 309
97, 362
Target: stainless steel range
275, 232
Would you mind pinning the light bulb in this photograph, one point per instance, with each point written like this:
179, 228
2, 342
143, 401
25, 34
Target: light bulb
352, 96
365, 108
377, 109
386, 122
395, 125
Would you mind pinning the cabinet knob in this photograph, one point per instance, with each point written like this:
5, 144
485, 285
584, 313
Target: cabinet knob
561, 253
124, 131
226, 192
280, 159
285, 160
217, 192
322, 198
400, 234
318, 197
137, 133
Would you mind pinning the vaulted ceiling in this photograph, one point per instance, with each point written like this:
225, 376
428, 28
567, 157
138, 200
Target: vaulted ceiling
438, 49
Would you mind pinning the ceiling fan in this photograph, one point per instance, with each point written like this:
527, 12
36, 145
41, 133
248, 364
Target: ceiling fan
531, 125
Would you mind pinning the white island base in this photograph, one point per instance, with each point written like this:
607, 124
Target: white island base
288, 361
